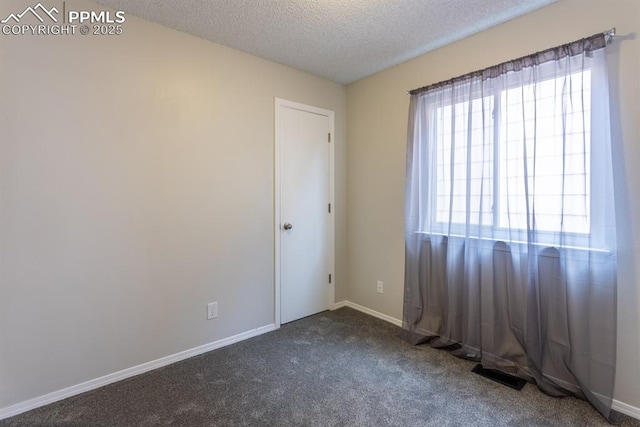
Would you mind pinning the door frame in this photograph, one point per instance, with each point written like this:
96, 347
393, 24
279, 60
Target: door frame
280, 104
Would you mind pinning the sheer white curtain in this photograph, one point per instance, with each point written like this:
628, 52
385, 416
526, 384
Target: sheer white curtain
510, 231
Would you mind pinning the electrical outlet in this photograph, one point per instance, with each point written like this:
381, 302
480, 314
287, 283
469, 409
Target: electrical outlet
212, 310
380, 287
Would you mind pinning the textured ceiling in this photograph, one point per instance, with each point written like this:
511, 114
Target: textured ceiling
341, 40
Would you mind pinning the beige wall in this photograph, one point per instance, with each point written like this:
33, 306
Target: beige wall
377, 118
136, 185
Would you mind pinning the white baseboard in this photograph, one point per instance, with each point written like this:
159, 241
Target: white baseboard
55, 396
368, 311
625, 408
339, 305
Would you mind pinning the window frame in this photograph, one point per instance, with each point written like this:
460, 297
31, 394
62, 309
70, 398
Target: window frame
594, 237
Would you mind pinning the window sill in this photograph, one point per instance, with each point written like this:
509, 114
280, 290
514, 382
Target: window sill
519, 242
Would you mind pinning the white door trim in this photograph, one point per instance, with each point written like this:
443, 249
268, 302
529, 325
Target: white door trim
279, 104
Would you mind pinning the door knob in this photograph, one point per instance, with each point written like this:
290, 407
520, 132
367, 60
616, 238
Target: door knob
287, 226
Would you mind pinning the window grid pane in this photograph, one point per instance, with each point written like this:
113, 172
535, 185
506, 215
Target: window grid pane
466, 150
550, 129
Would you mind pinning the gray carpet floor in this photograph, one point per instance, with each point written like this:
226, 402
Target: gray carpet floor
340, 368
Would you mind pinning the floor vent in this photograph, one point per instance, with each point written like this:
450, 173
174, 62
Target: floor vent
499, 377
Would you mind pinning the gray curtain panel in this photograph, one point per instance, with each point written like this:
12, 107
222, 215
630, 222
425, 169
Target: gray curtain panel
510, 230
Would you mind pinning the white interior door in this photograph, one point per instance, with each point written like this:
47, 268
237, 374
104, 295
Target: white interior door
304, 227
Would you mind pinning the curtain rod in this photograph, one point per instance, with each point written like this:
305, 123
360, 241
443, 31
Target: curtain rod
609, 35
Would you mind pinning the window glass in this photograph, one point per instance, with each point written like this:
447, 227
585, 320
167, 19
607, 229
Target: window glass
538, 131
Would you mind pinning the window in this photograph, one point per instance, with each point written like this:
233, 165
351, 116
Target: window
516, 159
